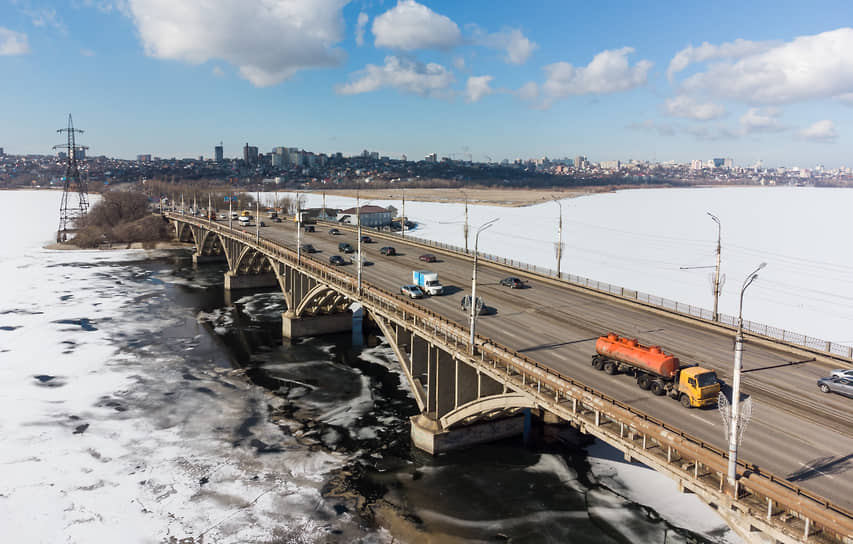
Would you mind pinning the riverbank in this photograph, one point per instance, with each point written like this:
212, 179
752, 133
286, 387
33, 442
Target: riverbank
123, 245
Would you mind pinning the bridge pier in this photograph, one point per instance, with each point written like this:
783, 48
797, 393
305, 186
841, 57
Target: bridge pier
249, 281
298, 327
427, 434
204, 259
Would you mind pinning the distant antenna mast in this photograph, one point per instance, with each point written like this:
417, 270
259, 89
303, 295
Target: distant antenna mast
73, 180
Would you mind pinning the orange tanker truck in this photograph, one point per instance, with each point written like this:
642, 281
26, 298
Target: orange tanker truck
657, 371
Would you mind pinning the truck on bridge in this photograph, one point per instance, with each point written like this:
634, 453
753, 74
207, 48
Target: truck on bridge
660, 372
428, 281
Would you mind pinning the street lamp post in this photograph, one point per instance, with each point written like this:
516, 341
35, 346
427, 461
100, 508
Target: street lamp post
299, 227
735, 422
559, 238
257, 217
403, 217
230, 212
465, 228
483, 227
716, 314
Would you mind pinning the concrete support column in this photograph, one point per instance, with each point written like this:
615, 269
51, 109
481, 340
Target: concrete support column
427, 434
297, 327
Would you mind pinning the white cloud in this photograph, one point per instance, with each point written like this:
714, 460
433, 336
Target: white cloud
478, 87
45, 17
13, 43
846, 98
762, 120
529, 91
706, 51
459, 63
608, 72
806, 68
821, 131
359, 28
685, 106
218, 71
517, 46
268, 40
403, 74
410, 25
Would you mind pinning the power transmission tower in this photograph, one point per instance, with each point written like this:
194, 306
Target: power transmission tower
73, 180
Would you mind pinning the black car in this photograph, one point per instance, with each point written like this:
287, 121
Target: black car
387, 250
308, 228
276, 219
366, 240
308, 248
334, 232
345, 247
337, 260
513, 283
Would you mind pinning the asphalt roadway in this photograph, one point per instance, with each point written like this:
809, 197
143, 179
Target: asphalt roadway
795, 431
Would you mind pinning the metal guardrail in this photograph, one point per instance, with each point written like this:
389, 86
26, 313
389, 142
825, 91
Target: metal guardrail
768, 331
427, 320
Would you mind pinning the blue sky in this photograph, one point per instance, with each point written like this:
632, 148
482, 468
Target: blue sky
609, 79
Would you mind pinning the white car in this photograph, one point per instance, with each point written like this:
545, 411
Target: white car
842, 373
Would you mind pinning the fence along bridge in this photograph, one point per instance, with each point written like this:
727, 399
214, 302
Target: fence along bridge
469, 394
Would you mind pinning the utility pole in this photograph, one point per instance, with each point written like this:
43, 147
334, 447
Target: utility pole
465, 227
735, 410
72, 177
716, 314
559, 238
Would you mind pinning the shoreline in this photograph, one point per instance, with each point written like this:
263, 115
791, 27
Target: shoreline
121, 245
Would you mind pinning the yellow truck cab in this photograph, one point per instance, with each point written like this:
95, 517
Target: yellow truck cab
698, 387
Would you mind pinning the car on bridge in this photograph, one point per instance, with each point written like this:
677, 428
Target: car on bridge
334, 232
513, 283
337, 260
308, 228
345, 247
366, 240
308, 248
412, 291
466, 305
842, 386
427, 258
387, 251
842, 373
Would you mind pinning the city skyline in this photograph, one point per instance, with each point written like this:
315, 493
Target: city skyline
764, 81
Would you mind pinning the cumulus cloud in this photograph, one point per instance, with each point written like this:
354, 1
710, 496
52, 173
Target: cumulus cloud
821, 131
687, 107
608, 72
706, 51
13, 43
459, 63
517, 46
478, 87
359, 28
403, 74
762, 120
45, 17
846, 98
268, 40
806, 68
410, 25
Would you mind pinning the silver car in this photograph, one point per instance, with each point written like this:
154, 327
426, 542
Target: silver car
842, 373
842, 386
412, 291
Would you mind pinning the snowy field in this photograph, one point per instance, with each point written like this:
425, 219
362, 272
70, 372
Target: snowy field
640, 239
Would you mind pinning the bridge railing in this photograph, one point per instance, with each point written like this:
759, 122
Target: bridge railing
760, 329
764, 483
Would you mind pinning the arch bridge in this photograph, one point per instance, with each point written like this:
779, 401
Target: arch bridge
471, 393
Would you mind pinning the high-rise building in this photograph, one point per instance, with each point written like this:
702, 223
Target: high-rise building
143, 158
581, 162
80, 153
250, 154
1, 152
432, 157
718, 163
218, 153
